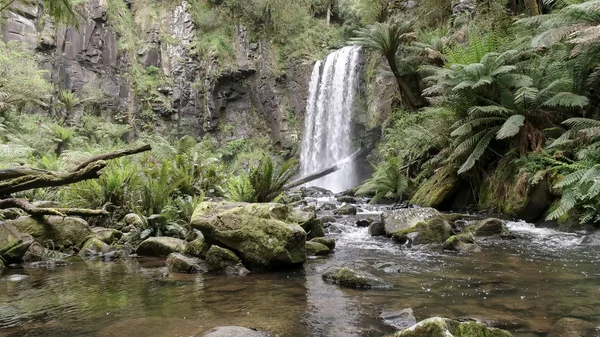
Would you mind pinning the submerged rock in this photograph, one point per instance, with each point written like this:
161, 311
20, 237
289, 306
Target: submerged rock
573, 327
398, 319
266, 236
61, 231
434, 230
161, 246
592, 239
233, 331
316, 249
444, 327
353, 279
463, 242
346, 209
377, 229
222, 260
179, 263
489, 227
329, 242
404, 218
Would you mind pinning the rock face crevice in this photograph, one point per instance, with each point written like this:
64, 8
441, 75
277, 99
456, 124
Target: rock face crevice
196, 95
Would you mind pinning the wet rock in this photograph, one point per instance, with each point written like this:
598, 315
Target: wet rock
315, 192
198, 247
106, 235
36, 253
438, 189
313, 228
327, 220
377, 229
13, 244
94, 247
404, 218
266, 236
489, 227
388, 267
592, 239
134, 220
61, 231
179, 263
353, 279
333, 228
221, 260
15, 278
161, 246
444, 327
233, 331
398, 319
327, 206
330, 243
362, 223
347, 199
316, 249
346, 210
573, 327
434, 230
464, 242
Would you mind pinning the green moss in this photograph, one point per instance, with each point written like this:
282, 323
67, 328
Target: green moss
219, 258
197, 247
316, 249
330, 243
438, 188
506, 190
353, 279
434, 230
442, 327
65, 232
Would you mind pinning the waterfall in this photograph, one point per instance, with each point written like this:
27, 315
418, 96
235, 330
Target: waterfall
327, 129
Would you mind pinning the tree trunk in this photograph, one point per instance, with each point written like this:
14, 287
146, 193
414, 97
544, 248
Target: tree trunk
405, 91
33, 210
328, 13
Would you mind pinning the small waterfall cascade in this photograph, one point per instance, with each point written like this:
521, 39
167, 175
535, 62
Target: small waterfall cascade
327, 130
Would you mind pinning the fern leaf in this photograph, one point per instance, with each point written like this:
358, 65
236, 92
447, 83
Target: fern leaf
567, 100
478, 151
511, 127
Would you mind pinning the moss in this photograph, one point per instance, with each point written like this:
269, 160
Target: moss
353, 279
179, 263
93, 246
161, 246
198, 247
65, 232
330, 243
219, 259
316, 249
434, 230
438, 188
442, 327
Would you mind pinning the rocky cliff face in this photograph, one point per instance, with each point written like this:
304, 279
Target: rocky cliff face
196, 95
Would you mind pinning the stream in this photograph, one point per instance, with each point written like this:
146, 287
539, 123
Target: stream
523, 285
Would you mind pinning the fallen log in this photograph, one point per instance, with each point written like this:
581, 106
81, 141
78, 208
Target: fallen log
326, 171
113, 155
34, 210
16, 172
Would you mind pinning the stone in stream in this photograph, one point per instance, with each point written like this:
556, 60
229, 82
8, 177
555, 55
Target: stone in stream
398, 319
434, 230
106, 235
463, 242
377, 229
61, 231
94, 247
347, 199
313, 228
592, 239
363, 223
329, 242
444, 327
573, 327
197, 247
160, 246
13, 244
353, 279
404, 218
37, 253
233, 331
222, 260
266, 236
488, 227
179, 263
327, 206
316, 249
326, 220
346, 209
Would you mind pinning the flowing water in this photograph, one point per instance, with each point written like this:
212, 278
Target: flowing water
523, 285
328, 134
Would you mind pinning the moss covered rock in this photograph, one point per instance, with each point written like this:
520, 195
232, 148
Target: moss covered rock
329, 242
94, 247
444, 327
134, 220
405, 218
59, 231
434, 230
463, 242
438, 189
222, 260
161, 246
37, 253
266, 236
353, 279
106, 235
316, 249
13, 244
179, 263
489, 227
233, 331
346, 209
197, 247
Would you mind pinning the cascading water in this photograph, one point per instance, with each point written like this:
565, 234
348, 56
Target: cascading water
328, 133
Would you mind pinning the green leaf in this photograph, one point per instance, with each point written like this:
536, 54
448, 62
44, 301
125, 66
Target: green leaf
567, 100
477, 152
511, 127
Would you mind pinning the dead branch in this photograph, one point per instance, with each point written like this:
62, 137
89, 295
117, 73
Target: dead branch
33, 210
113, 155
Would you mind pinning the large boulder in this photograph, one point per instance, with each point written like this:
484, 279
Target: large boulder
233, 331
37, 253
438, 189
316, 249
489, 227
265, 236
161, 246
222, 260
398, 319
353, 279
463, 242
376, 229
59, 231
404, 218
444, 327
13, 244
179, 263
435, 230
573, 327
